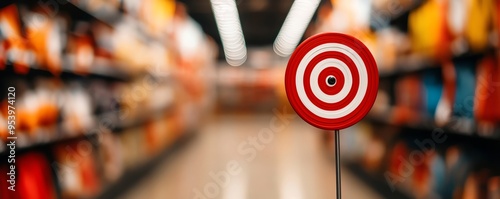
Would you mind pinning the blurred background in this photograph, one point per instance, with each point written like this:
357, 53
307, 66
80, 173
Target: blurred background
185, 99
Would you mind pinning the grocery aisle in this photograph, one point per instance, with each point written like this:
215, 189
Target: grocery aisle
98, 99
292, 165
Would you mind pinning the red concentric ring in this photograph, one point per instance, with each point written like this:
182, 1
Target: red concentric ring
352, 92
339, 78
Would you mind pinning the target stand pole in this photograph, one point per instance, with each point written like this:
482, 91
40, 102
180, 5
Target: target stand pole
337, 163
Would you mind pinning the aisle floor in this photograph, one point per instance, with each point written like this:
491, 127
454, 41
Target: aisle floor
222, 162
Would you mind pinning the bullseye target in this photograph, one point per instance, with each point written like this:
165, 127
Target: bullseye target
331, 80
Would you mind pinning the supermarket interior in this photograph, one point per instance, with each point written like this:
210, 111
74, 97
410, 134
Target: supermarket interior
186, 99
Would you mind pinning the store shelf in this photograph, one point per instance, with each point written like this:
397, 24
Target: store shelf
408, 64
108, 18
71, 8
414, 64
115, 127
110, 73
458, 126
5, 3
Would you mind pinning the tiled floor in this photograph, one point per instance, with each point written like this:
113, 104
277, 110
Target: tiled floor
224, 162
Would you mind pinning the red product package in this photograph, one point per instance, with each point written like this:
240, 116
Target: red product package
33, 178
488, 91
77, 169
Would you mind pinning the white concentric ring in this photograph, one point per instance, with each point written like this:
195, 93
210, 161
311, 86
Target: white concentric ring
322, 65
363, 80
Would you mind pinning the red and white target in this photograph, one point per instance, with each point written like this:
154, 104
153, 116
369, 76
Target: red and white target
331, 80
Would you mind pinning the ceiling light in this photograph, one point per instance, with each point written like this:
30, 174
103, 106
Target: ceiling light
294, 26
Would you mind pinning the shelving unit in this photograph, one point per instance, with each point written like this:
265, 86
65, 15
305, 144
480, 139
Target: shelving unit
122, 76
428, 125
432, 57
460, 131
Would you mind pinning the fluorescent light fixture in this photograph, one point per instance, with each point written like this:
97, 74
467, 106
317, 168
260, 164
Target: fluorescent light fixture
231, 34
294, 26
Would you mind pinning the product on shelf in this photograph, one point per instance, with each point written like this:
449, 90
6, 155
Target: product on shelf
129, 45
81, 49
26, 115
432, 81
5, 193
348, 16
487, 92
433, 41
444, 109
409, 102
34, 178
479, 24
76, 110
494, 187
470, 23
473, 187
47, 38
75, 165
429, 174
158, 14
465, 71
397, 164
389, 44
16, 48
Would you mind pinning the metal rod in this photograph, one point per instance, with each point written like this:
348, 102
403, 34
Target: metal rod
337, 162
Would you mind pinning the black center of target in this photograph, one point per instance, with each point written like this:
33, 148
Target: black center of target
331, 80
